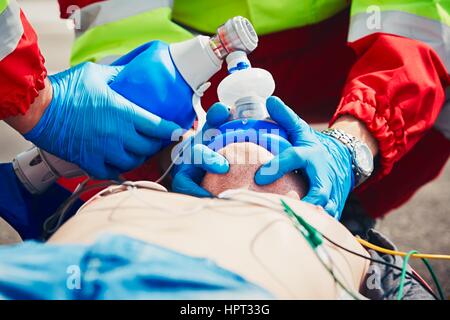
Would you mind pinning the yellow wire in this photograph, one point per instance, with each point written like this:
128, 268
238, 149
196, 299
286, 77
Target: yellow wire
400, 253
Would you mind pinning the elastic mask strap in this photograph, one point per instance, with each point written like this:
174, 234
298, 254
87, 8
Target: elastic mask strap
197, 104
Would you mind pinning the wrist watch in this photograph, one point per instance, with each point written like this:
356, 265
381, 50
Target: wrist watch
362, 157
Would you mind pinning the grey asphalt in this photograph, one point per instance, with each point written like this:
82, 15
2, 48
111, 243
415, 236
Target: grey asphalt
422, 224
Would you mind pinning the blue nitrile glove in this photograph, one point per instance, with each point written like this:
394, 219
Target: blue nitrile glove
89, 124
127, 58
199, 158
326, 162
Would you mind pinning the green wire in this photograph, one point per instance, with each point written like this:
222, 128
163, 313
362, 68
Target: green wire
311, 234
430, 270
435, 278
315, 240
403, 275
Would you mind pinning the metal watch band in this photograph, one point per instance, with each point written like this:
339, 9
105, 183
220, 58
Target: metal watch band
343, 137
349, 141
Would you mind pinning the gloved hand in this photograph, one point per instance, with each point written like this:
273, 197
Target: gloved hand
326, 162
199, 158
89, 124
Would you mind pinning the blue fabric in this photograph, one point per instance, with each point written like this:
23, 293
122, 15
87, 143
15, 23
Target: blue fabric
115, 267
25, 212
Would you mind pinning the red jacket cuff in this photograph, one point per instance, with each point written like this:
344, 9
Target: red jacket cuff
396, 88
386, 128
22, 74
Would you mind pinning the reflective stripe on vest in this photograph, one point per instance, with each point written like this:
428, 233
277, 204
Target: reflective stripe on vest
112, 28
100, 13
425, 21
11, 28
267, 16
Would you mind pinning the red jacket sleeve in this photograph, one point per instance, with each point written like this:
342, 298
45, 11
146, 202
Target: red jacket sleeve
22, 73
396, 88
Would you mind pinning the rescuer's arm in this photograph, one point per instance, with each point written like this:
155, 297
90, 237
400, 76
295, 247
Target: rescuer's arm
396, 88
22, 71
358, 129
394, 93
74, 114
23, 123
24, 95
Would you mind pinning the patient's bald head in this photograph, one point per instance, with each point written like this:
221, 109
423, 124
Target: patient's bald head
245, 158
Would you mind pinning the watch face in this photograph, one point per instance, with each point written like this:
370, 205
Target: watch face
363, 158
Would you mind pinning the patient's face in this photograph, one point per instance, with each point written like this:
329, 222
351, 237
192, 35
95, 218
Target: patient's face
245, 159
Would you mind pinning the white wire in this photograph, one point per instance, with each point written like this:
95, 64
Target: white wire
62, 210
173, 161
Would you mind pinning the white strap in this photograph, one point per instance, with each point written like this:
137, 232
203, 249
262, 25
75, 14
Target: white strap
197, 105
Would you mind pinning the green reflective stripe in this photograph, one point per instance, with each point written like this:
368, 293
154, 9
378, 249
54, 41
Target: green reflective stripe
121, 36
3, 5
267, 16
438, 10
